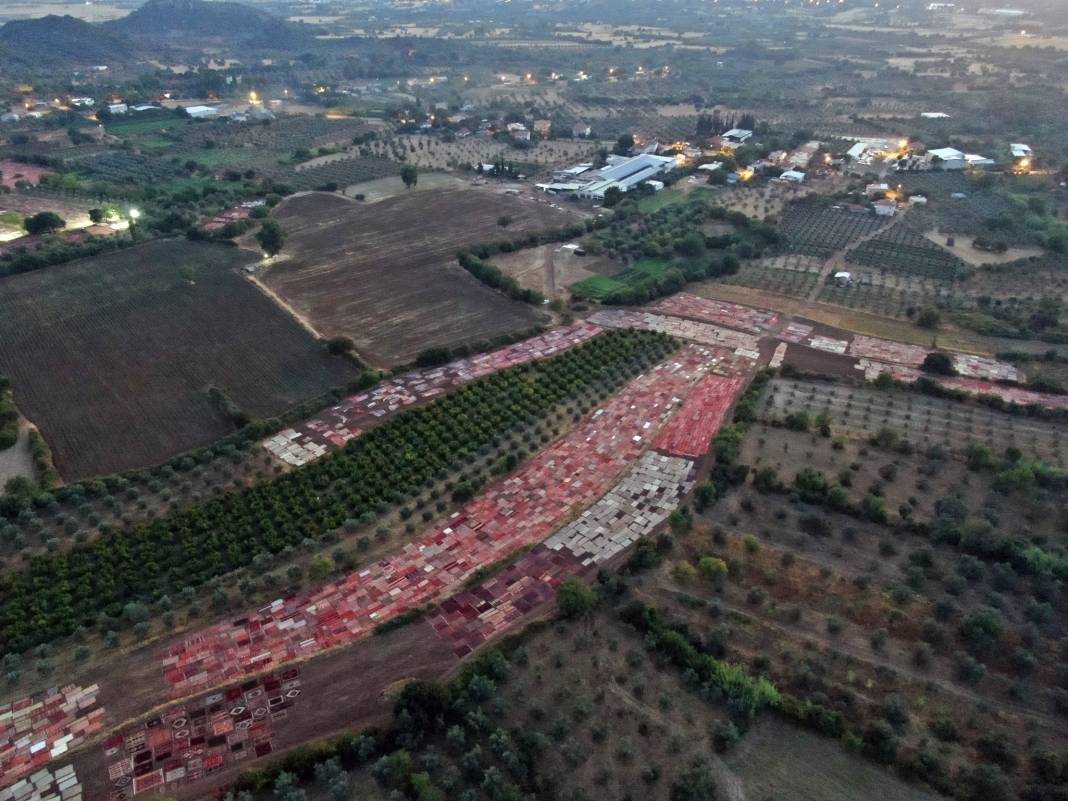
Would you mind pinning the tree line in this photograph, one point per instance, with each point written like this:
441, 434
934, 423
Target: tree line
59, 592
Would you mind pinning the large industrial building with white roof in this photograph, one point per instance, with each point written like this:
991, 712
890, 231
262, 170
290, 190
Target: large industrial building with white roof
621, 172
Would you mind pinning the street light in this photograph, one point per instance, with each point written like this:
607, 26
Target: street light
135, 214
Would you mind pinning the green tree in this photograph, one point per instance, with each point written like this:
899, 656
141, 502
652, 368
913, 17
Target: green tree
929, 317
271, 237
696, 784
939, 363
623, 145
320, 567
704, 496
44, 222
612, 196
711, 567
574, 599
410, 175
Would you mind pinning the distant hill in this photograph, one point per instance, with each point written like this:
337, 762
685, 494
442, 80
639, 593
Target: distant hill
196, 20
53, 40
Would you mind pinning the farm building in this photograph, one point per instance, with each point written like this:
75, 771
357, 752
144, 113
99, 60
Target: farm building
580, 130
118, 108
620, 172
202, 112
870, 148
793, 177
1022, 155
737, 136
885, 208
947, 157
803, 155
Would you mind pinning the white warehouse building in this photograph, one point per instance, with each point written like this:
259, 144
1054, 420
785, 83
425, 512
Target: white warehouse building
621, 172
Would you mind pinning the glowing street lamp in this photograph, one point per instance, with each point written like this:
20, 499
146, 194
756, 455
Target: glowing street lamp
135, 214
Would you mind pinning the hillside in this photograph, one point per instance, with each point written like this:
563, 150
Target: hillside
54, 40
235, 23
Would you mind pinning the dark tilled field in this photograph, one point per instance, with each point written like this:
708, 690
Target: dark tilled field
111, 356
385, 275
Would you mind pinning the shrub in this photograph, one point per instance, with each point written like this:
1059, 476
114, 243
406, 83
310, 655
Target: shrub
574, 599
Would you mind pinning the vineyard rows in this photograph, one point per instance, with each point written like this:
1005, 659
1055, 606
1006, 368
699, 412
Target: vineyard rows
812, 230
901, 249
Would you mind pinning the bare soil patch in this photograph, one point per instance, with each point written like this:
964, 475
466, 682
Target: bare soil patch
385, 274
111, 357
551, 270
964, 249
16, 460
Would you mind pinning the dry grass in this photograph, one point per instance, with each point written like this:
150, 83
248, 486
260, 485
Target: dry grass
838, 317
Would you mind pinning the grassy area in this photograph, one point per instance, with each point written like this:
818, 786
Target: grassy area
665, 197
364, 107
601, 286
135, 125
777, 760
12, 218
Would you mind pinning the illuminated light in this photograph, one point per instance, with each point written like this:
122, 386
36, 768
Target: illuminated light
135, 214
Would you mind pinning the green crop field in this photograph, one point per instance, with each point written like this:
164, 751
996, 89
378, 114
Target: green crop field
600, 286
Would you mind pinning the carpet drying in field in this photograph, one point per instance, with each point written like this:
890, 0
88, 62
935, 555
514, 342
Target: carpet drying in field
690, 432
970, 366
875, 351
796, 332
191, 741
44, 785
384, 274
974, 386
732, 315
39, 728
111, 356
828, 344
474, 616
633, 509
641, 501
703, 333
339, 424
518, 511
778, 357
885, 350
